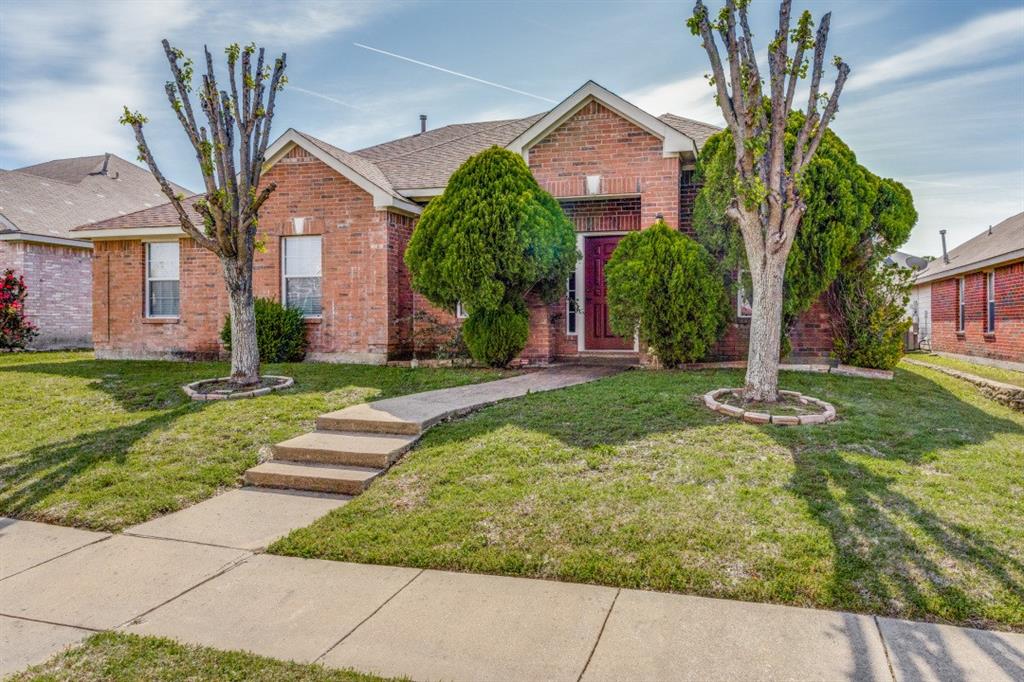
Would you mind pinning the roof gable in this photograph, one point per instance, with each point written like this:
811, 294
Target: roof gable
361, 171
673, 140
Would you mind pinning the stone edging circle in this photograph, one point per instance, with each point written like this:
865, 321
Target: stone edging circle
829, 413
194, 390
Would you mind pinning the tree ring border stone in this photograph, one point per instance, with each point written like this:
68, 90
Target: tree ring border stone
195, 389
827, 414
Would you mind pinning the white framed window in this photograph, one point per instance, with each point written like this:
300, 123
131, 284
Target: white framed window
460, 312
572, 306
162, 279
301, 274
990, 298
960, 304
744, 307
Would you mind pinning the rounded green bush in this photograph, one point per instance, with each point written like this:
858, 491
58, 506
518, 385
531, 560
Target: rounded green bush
280, 332
491, 237
668, 289
496, 336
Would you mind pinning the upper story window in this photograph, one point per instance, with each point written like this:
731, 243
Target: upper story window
744, 308
162, 275
961, 308
990, 298
300, 270
571, 306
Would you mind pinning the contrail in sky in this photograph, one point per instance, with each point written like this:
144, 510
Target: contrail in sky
456, 73
326, 97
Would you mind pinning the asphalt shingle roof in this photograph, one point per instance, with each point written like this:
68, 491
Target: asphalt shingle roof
1006, 239
416, 162
163, 215
52, 198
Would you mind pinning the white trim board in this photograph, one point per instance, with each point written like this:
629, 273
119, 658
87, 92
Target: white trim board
673, 141
44, 239
382, 198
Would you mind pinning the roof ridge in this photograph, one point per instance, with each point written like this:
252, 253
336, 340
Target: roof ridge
501, 123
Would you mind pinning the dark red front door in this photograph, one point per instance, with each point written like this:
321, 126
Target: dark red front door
597, 334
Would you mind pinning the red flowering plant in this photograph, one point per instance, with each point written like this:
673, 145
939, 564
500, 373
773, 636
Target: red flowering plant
15, 330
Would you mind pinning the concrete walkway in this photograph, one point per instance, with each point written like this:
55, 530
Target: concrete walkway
199, 576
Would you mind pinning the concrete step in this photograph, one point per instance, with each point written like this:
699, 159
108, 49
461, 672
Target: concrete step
322, 478
602, 359
368, 418
378, 450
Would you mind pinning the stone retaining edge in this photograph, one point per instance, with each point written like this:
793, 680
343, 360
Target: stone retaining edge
752, 417
191, 392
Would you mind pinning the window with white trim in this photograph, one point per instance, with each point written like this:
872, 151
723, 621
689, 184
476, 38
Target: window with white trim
990, 308
162, 279
571, 306
961, 304
301, 274
460, 312
744, 307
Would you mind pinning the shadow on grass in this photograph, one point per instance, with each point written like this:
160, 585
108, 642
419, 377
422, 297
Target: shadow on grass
30, 477
892, 554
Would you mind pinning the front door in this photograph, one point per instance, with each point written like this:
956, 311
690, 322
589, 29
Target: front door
597, 334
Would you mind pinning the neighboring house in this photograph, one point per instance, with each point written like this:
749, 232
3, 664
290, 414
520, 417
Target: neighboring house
975, 294
338, 224
918, 308
38, 207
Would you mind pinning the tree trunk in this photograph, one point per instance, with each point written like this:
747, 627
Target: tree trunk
245, 354
762, 383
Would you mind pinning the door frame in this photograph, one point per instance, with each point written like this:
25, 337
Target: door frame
581, 291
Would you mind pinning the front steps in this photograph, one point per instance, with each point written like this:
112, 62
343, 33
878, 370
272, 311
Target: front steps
353, 446
320, 478
328, 461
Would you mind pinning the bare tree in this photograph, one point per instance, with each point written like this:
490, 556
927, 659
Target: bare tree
233, 197
768, 206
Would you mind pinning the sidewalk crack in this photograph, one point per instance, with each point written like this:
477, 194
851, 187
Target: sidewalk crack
374, 613
599, 633
885, 648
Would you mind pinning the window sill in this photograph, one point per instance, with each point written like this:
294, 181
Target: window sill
961, 335
312, 320
989, 336
161, 320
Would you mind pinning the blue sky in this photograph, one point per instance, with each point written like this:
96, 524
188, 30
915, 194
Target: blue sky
935, 99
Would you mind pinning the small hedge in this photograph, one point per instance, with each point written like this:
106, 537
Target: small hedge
280, 332
667, 288
495, 337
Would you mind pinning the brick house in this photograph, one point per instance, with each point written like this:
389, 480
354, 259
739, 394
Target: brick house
337, 226
39, 205
974, 295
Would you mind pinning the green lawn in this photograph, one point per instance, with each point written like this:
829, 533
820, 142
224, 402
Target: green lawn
105, 444
114, 657
1007, 376
911, 505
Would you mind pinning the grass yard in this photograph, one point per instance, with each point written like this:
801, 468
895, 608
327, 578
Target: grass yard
911, 505
1007, 376
107, 444
114, 657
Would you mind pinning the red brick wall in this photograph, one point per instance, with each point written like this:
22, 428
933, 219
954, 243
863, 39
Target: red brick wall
361, 254
597, 141
58, 300
604, 215
1007, 341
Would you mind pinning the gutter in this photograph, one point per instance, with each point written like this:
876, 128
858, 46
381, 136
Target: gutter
44, 239
1001, 259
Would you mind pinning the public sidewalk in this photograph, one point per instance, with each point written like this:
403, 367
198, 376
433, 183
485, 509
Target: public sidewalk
166, 577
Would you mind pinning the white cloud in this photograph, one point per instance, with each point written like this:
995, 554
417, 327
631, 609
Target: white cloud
690, 97
976, 41
962, 204
69, 68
